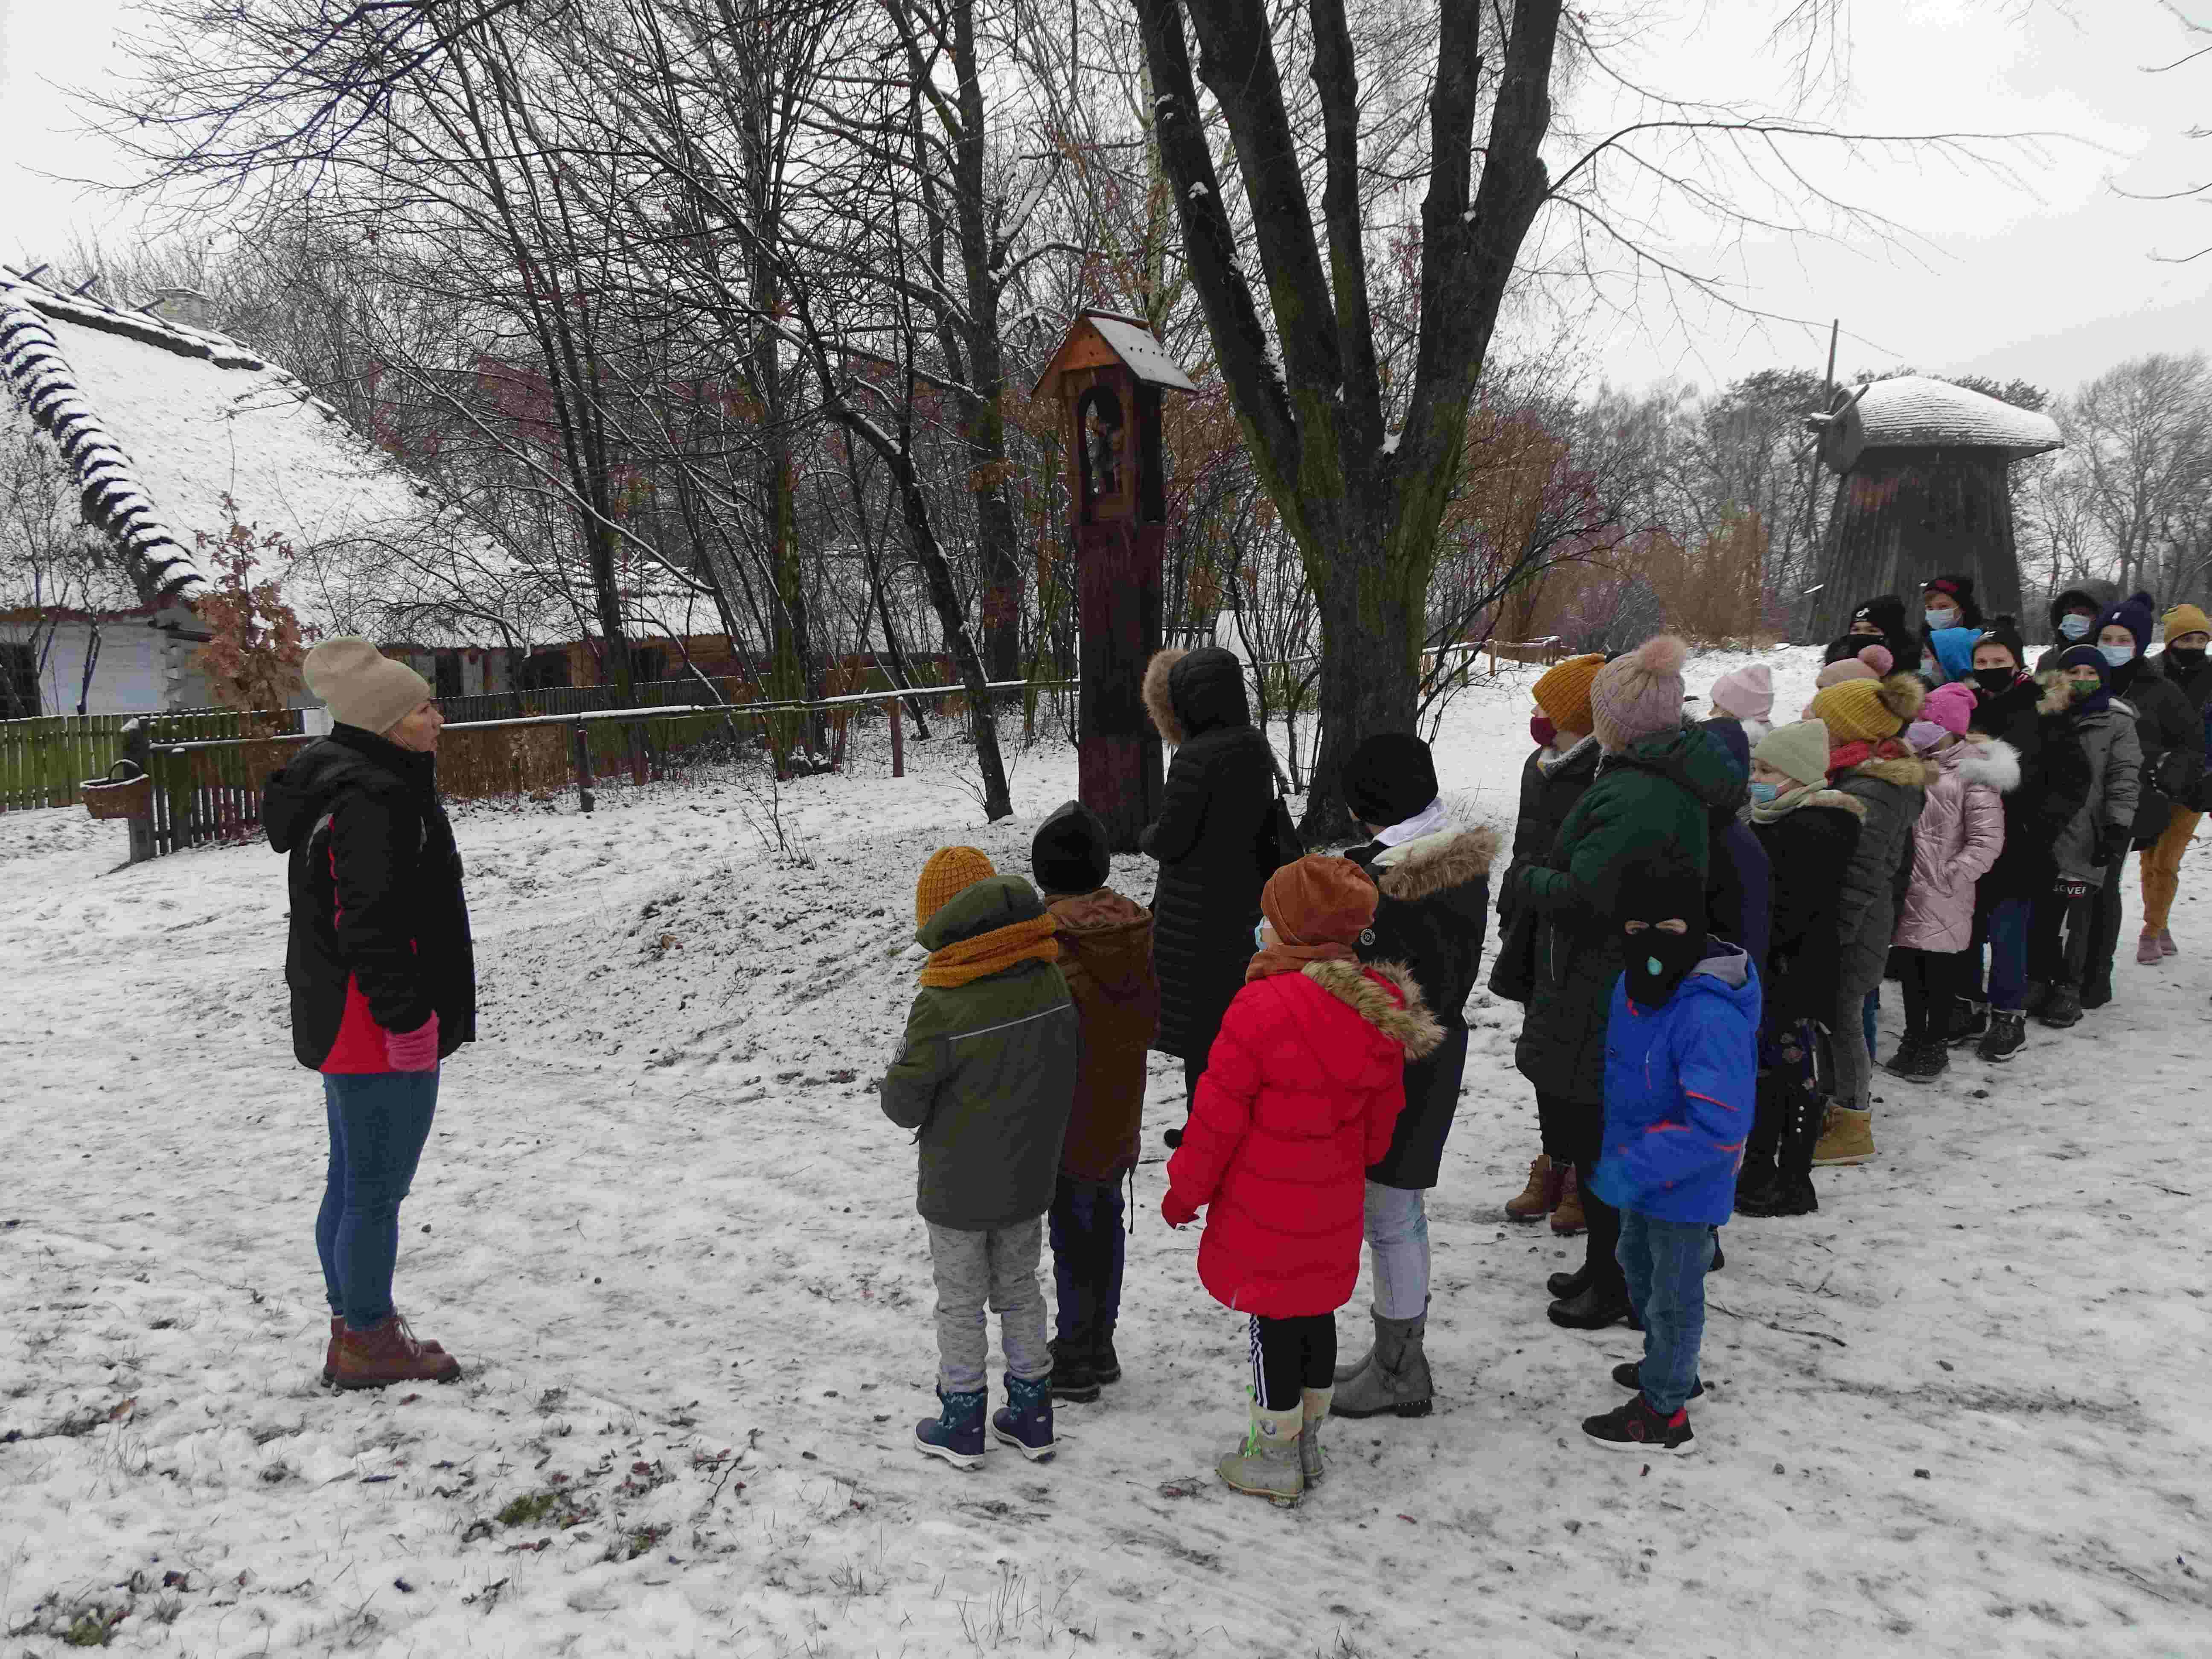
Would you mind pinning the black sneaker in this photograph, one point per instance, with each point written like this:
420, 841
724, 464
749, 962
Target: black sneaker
2061, 1008
1629, 1375
1637, 1428
2007, 1037
1073, 1378
1104, 1364
1920, 1060
1969, 1022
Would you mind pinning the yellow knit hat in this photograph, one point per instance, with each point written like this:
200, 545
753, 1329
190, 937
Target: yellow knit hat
2185, 619
1868, 711
950, 871
1563, 691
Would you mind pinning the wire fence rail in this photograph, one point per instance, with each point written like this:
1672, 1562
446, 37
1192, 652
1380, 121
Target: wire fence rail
207, 789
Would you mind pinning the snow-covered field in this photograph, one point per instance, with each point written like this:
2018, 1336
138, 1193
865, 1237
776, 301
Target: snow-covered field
1959, 1411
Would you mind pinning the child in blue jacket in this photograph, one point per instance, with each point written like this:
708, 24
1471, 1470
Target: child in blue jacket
1681, 1068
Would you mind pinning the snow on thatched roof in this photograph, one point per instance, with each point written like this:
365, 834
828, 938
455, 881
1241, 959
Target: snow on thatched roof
1914, 412
174, 434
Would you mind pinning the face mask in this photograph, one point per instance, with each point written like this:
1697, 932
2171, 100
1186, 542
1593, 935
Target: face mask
2118, 655
1994, 680
1542, 732
1658, 962
1259, 936
1938, 620
2075, 626
1763, 793
2187, 658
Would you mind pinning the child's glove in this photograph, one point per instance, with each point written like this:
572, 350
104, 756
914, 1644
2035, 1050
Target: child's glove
2068, 887
413, 1051
1174, 1212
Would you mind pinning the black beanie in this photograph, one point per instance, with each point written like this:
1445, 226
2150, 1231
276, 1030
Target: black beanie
1389, 779
1070, 853
2004, 630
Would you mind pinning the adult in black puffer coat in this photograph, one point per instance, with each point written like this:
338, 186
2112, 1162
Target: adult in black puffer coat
1214, 842
382, 977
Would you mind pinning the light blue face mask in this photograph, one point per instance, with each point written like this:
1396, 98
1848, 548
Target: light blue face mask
2074, 627
1764, 793
2117, 654
1259, 939
1939, 620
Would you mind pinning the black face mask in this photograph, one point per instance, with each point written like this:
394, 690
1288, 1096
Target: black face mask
1658, 961
2187, 658
1994, 680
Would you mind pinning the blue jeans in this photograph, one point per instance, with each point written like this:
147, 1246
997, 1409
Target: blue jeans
1397, 1228
1086, 1258
1665, 1263
379, 1122
2007, 979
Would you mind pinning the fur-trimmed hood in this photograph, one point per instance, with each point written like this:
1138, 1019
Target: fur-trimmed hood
1907, 771
1190, 692
1409, 1024
1451, 857
1994, 765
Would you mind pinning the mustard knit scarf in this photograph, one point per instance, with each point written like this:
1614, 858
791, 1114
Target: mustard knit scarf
992, 953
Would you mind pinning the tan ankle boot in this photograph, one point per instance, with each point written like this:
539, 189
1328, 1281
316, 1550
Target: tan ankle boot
1848, 1138
387, 1353
1567, 1214
1541, 1195
331, 1353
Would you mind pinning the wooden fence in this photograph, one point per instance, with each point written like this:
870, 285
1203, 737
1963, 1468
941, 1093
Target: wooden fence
42, 761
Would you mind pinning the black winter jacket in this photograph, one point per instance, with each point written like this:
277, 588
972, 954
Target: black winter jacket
2054, 781
2172, 737
375, 887
1807, 850
1214, 840
2072, 599
1546, 797
1430, 919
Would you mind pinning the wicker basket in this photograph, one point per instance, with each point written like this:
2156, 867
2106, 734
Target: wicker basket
130, 796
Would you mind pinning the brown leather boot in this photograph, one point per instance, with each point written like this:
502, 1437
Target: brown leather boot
387, 1353
1567, 1214
1541, 1197
331, 1353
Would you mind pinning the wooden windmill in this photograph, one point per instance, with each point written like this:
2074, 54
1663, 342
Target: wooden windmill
1109, 374
1922, 486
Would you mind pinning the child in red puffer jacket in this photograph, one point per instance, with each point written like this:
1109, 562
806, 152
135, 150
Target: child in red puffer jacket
1299, 1096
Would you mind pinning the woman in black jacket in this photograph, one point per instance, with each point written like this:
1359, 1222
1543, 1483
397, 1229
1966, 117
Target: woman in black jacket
2172, 738
1215, 843
2054, 781
2188, 631
382, 978
1433, 878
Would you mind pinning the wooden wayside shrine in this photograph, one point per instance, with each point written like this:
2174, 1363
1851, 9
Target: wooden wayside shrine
1108, 374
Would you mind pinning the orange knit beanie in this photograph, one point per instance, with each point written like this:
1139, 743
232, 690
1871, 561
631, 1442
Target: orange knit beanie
950, 872
1563, 691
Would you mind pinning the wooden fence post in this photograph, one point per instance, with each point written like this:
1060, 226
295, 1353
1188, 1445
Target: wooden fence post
636, 751
898, 736
583, 746
138, 750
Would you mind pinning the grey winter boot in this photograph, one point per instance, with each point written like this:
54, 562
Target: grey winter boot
1395, 1377
1267, 1465
1316, 1413
1344, 1374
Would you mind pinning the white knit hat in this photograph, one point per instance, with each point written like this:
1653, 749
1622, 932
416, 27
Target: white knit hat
1799, 751
363, 687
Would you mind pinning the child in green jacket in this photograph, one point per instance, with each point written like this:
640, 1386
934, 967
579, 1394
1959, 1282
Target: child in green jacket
986, 1079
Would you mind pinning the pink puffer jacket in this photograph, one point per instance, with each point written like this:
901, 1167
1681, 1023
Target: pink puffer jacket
1955, 842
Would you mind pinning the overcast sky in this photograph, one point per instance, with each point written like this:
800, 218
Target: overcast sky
2049, 275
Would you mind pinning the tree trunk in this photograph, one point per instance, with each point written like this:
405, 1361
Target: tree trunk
1367, 596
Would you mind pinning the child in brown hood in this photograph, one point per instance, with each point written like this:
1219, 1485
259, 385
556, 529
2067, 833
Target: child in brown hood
1106, 954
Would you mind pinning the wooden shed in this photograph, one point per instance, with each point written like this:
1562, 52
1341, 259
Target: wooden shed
1922, 487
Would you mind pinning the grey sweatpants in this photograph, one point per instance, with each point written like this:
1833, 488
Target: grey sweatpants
999, 1267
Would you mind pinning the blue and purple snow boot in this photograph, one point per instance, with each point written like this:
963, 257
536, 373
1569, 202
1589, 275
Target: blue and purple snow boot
956, 1433
1025, 1422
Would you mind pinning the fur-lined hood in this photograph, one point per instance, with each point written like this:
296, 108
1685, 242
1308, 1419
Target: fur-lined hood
2060, 694
1452, 857
1188, 693
1907, 771
1994, 765
1412, 1026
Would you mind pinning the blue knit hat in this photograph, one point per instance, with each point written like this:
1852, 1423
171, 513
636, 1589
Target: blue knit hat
2138, 613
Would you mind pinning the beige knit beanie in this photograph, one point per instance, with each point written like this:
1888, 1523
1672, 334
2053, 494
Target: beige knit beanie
1639, 694
363, 687
1798, 751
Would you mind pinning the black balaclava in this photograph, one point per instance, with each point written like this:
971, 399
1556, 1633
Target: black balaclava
1657, 961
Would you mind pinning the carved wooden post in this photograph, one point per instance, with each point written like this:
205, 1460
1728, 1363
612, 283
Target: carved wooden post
138, 750
1108, 374
583, 747
898, 736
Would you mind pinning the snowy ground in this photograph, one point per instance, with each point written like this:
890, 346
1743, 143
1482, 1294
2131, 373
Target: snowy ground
1959, 1411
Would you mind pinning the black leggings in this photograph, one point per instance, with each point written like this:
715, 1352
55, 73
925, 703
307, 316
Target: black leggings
1290, 1356
1930, 979
1581, 1134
